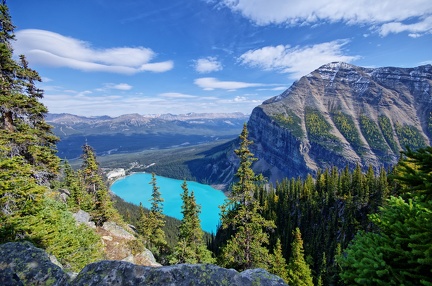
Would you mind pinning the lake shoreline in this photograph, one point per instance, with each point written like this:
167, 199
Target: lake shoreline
135, 188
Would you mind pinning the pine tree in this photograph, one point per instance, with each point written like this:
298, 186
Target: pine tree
28, 166
28, 160
400, 252
22, 123
299, 272
415, 174
94, 185
152, 224
278, 264
241, 213
78, 198
190, 247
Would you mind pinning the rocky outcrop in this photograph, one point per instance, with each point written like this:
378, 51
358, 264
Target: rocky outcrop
23, 264
118, 242
121, 273
118, 245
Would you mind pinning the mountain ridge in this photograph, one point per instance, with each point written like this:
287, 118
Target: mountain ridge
68, 117
340, 115
134, 132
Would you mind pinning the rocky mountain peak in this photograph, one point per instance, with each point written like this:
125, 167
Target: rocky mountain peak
341, 114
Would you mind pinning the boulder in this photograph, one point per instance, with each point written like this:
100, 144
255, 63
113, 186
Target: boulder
84, 217
124, 273
117, 230
23, 264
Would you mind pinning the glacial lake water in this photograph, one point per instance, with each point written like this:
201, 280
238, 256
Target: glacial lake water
136, 188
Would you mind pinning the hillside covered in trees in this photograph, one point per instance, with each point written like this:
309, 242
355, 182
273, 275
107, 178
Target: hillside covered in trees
340, 227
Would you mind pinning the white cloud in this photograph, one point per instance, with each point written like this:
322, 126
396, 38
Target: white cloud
52, 49
211, 83
415, 30
176, 95
298, 61
207, 65
88, 103
264, 12
119, 86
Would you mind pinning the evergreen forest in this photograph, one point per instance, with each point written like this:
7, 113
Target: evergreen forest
338, 227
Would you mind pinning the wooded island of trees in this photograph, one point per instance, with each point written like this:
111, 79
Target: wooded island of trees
337, 228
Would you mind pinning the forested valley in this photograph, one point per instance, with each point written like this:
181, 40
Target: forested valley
339, 227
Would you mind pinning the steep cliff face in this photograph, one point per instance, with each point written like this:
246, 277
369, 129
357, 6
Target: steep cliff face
341, 115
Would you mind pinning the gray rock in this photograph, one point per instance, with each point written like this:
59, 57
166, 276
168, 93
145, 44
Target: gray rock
117, 230
84, 217
124, 273
23, 264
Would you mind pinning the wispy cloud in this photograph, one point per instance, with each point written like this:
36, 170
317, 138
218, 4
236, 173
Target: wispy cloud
297, 61
414, 30
95, 102
119, 86
207, 65
52, 49
295, 12
211, 83
177, 95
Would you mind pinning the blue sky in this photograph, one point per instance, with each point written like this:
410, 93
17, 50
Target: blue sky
105, 57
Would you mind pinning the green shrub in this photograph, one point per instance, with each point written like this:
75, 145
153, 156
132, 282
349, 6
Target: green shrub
136, 246
54, 229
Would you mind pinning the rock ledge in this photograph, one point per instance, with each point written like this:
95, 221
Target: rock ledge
23, 264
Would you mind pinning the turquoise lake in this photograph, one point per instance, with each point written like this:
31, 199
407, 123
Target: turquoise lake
136, 188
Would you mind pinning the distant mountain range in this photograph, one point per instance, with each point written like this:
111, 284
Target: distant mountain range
338, 115
192, 123
134, 132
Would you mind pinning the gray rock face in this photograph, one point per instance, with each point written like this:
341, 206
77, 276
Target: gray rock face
342, 115
23, 264
124, 273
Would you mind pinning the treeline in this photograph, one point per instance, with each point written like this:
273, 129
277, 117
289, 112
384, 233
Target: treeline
340, 228
131, 215
328, 211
